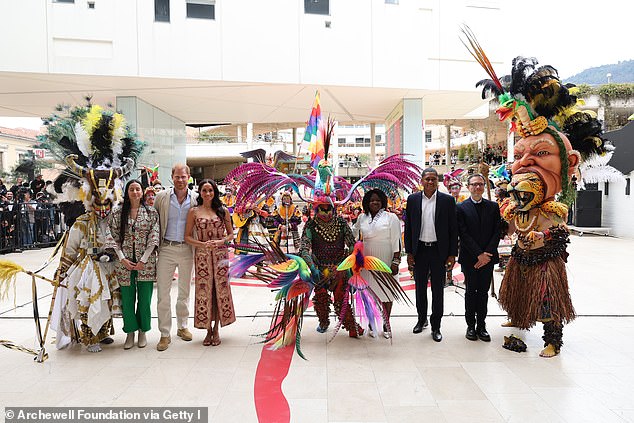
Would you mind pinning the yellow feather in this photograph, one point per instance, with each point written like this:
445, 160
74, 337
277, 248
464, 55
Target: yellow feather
117, 121
92, 119
8, 273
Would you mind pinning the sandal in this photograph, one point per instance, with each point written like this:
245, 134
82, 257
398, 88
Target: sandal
208, 340
215, 341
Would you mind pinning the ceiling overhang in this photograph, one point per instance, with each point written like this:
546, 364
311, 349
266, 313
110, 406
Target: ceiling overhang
204, 102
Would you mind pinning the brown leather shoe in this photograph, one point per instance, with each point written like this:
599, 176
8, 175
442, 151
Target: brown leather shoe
164, 343
184, 334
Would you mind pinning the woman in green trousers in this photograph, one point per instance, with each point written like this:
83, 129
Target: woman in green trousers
134, 236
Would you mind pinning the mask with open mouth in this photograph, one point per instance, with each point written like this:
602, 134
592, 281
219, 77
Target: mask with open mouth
526, 190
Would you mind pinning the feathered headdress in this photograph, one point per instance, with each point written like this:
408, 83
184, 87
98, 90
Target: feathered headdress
536, 101
257, 180
89, 138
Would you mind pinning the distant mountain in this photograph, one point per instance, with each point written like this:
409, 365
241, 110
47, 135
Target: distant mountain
622, 72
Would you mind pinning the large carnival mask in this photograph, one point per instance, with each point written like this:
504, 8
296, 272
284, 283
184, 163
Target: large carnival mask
101, 182
526, 190
540, 154
324, 212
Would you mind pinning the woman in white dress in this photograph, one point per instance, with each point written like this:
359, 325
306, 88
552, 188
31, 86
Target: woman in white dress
380, 232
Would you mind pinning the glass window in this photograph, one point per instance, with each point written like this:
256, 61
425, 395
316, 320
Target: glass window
427, 136
161, 10
317, 7
201, 9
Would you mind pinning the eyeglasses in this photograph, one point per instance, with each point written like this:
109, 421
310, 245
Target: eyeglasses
477, 184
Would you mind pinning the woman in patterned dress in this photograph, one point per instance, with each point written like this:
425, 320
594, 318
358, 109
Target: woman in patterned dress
209, 230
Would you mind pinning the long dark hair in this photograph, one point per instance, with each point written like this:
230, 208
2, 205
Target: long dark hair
125, 207
216, 204
365, 203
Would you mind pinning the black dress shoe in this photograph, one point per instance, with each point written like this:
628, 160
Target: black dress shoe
436, 335
484, 335
471, 334
420, 326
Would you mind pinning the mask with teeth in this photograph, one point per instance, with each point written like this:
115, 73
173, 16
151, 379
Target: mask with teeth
526, 190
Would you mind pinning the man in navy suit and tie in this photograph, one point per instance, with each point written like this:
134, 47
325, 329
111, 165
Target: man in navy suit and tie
479, 228
431, 244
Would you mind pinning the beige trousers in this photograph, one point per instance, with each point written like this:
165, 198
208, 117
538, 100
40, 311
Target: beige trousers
170, 257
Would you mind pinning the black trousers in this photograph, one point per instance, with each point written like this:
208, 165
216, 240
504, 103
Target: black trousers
427, 261
478, 282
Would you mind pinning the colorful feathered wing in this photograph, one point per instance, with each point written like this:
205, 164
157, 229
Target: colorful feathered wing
367, 304
294, 281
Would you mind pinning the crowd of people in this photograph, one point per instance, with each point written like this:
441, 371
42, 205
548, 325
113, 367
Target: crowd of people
28, 217
154, 234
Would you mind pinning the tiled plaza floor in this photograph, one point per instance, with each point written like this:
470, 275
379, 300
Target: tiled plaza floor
356, 380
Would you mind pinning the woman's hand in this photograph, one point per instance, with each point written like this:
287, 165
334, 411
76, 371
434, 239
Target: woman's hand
128, 264
139, 266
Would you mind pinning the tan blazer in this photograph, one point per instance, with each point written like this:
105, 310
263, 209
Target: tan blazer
162, 206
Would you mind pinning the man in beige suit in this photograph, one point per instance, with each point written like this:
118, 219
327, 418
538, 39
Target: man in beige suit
173, 205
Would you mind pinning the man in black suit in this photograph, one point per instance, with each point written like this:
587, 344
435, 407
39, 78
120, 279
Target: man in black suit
479, 228
431, 244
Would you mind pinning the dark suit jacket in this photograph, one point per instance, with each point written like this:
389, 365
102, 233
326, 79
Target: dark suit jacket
478, 234
445, 222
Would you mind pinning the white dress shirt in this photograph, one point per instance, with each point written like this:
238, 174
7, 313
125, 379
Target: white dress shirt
428, 215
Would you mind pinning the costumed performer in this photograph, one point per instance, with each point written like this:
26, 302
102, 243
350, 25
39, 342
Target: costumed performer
287, 219
100, 149
555, 137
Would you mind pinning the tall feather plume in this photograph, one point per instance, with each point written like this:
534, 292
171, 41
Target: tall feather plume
329, 130
494, 85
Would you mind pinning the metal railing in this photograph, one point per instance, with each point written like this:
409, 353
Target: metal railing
29, 225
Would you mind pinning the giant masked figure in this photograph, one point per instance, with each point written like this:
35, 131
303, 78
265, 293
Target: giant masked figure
99, 150
555, 136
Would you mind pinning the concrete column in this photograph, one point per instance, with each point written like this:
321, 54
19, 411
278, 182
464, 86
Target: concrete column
448, 149
294, 141
249, 136
510, 145
334, 149
372, 144
239, 133
413, 141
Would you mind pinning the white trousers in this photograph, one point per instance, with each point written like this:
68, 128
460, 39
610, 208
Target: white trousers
171, 257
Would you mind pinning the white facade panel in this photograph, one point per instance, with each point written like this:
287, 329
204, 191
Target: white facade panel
99, 41
260, 40
617, 210
365, 43
182, 48
403, 37
24, 37
342, 53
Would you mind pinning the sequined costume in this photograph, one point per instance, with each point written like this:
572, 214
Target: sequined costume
326, 244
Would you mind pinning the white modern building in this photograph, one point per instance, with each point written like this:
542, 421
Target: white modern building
247, 63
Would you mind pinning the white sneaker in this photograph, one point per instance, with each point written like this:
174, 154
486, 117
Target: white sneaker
129, 341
